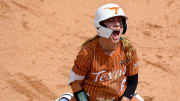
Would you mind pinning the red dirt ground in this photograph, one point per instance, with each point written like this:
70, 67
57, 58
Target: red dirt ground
40, 39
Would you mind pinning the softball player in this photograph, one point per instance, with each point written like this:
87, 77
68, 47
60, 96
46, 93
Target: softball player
106, 68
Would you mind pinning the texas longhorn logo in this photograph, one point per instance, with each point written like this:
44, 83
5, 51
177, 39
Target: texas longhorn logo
114, 8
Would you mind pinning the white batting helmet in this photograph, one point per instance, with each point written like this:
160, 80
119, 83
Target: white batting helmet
105, 12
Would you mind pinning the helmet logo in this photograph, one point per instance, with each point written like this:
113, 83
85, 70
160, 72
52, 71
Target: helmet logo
114, 8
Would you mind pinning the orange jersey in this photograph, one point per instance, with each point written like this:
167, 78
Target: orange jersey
104, 75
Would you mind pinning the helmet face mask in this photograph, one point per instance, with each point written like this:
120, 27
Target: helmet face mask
105, 12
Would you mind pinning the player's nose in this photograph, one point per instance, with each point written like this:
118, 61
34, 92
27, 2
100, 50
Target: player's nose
117, 23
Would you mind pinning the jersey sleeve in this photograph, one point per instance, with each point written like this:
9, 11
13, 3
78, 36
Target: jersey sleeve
82, 62
133, 67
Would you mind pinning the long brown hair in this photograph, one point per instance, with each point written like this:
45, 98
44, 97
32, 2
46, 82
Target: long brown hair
129, 49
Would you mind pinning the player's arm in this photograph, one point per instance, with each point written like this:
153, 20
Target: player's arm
132, 77
79, 93
132, 82
125, 99
78, 73
76, 85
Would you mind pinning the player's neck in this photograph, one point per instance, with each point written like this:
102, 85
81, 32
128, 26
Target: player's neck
107, 45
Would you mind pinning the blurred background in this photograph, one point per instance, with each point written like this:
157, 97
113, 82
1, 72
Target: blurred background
39, 40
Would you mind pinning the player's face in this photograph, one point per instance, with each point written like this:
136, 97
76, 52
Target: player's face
116, 25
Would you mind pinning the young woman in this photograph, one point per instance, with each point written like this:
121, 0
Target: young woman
106, 68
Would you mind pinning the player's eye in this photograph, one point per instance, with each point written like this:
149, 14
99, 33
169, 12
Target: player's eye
111, 20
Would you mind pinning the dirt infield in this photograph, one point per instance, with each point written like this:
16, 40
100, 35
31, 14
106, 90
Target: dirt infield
39, 40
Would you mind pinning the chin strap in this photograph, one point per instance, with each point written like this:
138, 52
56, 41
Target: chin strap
124, 26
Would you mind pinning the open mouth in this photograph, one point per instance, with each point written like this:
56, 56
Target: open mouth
115, 35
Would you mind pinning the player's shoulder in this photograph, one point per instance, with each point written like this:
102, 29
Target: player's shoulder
88, 49
90, 46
